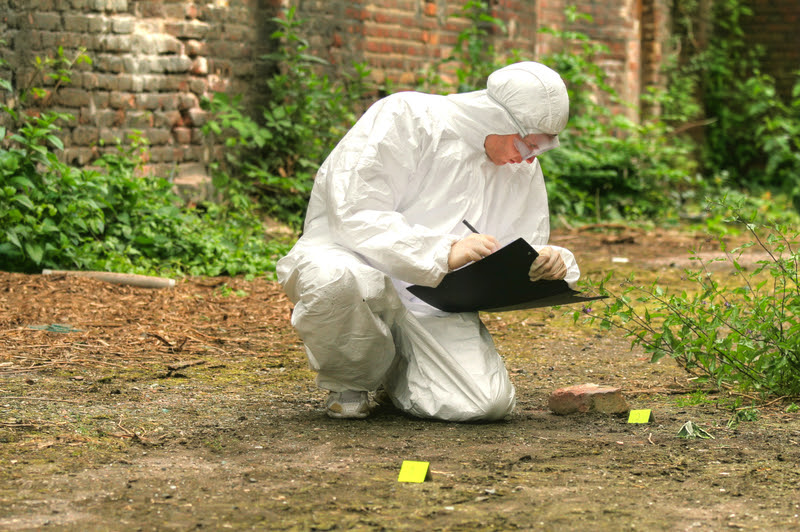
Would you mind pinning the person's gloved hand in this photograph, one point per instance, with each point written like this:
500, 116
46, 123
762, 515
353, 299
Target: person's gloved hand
548, 266
474, 247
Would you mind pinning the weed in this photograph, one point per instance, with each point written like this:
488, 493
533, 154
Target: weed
56, 216
744, 336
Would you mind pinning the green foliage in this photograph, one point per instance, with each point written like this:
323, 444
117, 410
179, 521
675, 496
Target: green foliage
609, 166
745, 336
746, 414
276, 157
698, 397
55, 216
474, 56
752, 135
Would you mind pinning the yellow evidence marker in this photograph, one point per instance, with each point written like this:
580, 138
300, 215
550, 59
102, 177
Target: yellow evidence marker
640, 416
412, 471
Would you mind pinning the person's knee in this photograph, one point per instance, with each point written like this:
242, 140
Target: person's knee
471, 406
328, 289
492, 407
498, 408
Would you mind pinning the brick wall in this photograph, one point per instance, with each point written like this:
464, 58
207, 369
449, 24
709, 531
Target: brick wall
152, 61
401, 39
775, 25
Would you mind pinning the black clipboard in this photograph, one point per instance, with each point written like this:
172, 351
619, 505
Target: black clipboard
498, 283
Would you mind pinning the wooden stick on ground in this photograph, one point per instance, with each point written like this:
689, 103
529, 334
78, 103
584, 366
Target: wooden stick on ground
131, 279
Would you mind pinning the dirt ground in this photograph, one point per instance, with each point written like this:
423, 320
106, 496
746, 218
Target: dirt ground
125, 408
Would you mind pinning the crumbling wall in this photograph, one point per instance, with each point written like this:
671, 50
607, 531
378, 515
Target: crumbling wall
152, 62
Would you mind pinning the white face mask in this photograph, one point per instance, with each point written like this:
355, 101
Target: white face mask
536, 144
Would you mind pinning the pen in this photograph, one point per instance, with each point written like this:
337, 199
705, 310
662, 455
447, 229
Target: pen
470, 226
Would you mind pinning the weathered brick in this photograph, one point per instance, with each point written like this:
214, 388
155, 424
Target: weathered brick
117, 43
167, 44
158, 137
197, 117
150, 9
183, 135
174, 64
46, 21
167, 119
110, 136
132, 64
195, 48
76, 22
99, 99
68, 40
193, 183
173, 83
107, 81
87, 80
72, 97
106, 118
130, 82
162, 154
198, 86
78, 156
40, 5
152, 83
198, 138
85, 136
121, 100
199, 66
192, 11
147, 101
97, 23
193, 29
108, 5
238, 32
587, 398
123, 25
138, 119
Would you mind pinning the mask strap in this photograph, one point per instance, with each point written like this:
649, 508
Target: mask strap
519, 127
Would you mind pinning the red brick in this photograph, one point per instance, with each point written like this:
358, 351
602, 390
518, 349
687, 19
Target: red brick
586, 398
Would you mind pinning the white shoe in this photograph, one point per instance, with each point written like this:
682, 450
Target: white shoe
348, 405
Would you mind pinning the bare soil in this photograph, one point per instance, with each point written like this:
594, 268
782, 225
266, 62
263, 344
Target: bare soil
126, 408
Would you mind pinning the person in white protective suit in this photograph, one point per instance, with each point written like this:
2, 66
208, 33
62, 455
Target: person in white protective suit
386, 211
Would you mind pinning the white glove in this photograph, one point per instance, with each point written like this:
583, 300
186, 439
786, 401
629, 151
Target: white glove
548, 266
474, 247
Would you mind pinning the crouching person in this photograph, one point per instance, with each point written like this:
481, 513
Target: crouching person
386, 211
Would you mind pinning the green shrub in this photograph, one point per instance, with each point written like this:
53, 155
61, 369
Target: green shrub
752, 135
609, 166
474, 56
55, 216
276, 156
745, 335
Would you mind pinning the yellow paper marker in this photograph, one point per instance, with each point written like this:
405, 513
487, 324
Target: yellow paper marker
640, 416
412, 471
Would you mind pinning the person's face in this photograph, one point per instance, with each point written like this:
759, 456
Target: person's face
501, 150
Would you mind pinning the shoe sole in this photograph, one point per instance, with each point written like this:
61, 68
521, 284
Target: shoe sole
340, 415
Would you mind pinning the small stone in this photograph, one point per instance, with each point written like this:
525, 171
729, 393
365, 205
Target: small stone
585, 398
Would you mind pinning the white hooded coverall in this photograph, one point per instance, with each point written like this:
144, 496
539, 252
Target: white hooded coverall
386, 207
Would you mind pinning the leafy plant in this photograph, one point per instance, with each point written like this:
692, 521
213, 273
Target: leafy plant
610, 166
55, 216
746, 414
744, 336
276, 156
474, 56
751, 133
